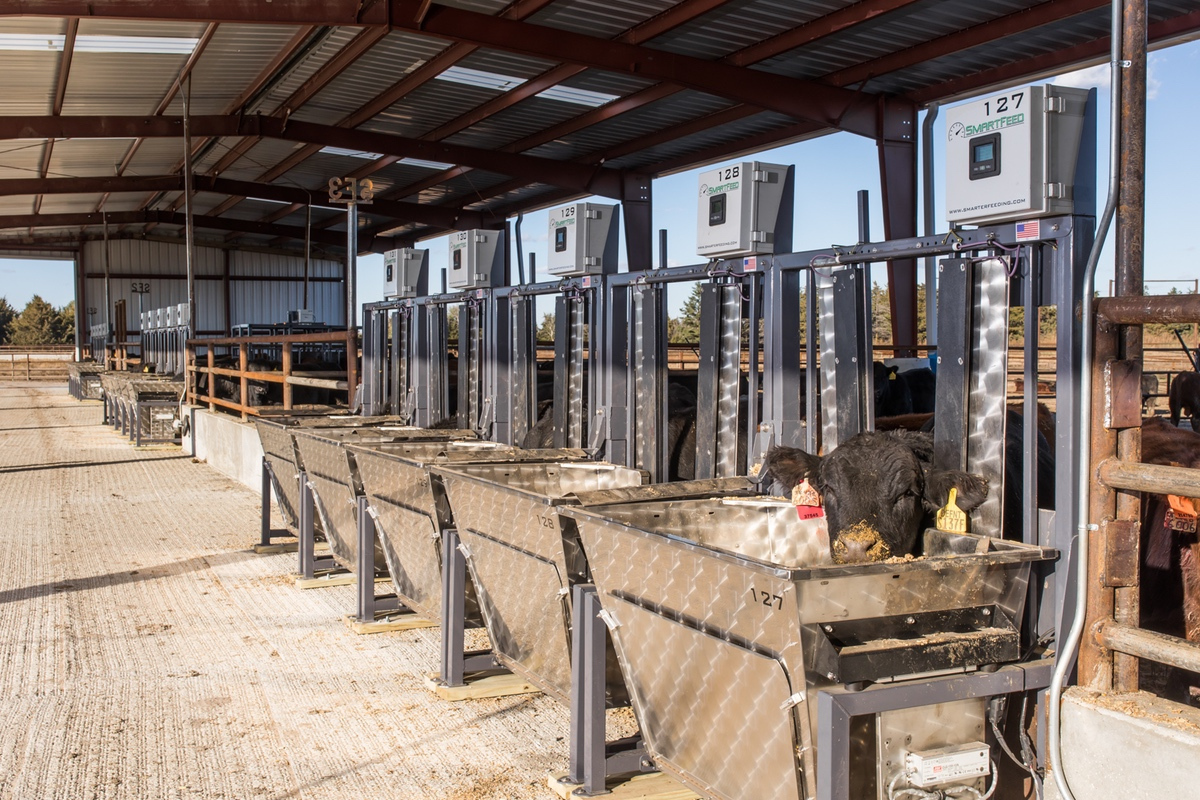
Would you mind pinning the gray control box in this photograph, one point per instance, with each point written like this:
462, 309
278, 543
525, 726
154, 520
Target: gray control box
404, 271
739, 209
476, 259
583, 240
1012, 155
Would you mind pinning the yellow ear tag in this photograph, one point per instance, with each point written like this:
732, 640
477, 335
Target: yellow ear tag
891, 376
951, 519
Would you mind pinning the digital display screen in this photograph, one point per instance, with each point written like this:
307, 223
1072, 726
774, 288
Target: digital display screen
389, 273
560, 240
716, 210
985, 152
456, 263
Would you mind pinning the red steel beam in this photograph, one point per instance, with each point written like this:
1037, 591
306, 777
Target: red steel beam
595, 180
174, 218
984, 33
801, 99
60, 94
1055, 61
292, 12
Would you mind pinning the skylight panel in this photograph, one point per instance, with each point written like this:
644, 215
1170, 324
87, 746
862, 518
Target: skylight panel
342, 151
86, 43
420, 162
504, 83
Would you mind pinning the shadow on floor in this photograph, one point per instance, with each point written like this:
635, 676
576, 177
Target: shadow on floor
73, 464
109, 579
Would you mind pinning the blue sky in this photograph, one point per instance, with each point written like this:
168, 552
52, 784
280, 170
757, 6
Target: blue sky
830, 171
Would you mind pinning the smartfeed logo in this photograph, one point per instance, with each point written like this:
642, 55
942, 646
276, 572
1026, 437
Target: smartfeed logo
960, 130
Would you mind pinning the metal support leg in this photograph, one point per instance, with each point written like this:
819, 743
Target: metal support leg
592, 758
265, 538
587, 692
368, 603
455, 661
136, 433
307, 548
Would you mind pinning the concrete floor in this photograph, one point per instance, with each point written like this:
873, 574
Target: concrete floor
147, 653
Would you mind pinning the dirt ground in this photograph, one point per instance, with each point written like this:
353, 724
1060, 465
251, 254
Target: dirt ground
148, 653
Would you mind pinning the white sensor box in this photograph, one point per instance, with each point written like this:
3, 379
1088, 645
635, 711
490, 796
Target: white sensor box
402, 271
956, 763
738, 209
583, 240
476, 259
1012, 155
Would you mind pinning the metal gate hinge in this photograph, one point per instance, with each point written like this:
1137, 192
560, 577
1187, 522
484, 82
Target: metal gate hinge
466, 551
608, 619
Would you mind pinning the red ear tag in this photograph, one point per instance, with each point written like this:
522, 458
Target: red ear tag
810, 512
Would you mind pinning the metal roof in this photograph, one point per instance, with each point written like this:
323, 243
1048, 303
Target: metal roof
464, 111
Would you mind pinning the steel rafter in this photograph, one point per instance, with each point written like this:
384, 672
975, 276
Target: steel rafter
446, 218
60, 94
801, 99
594, 180
334, 239
293, 12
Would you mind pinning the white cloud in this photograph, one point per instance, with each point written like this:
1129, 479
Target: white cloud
1099, 76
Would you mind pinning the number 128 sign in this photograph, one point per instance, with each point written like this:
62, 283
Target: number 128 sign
351, 190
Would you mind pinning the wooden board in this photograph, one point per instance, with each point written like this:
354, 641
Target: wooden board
393, 622
645, 786
332, 578
271, 549
481, 685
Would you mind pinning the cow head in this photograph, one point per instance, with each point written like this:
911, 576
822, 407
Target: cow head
878, 490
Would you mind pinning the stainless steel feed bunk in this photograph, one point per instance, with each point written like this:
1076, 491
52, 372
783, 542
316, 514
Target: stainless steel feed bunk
143, 407
83, 380
728, 620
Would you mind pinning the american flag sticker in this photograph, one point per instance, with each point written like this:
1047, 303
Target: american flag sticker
1029, 230
749, 264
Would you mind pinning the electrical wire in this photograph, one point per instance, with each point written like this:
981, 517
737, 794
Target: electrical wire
940, 794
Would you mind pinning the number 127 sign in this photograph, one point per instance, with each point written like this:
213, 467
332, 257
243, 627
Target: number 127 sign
351, 190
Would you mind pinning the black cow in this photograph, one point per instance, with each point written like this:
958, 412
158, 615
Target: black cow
1185, 397
880, 488
892, 395
922, 387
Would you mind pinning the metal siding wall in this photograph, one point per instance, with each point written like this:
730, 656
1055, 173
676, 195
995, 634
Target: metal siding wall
250, 301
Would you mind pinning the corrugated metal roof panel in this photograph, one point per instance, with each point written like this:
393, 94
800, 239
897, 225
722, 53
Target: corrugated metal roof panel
277, 93
602, 18
735, 26
110, 83
233, 59
70, 203
87, 157
29, 81
21, 158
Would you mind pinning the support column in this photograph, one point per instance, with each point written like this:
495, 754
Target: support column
639, 222
897, 142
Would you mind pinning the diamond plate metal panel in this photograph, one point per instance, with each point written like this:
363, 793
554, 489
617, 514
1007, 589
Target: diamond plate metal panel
506, 516
757, 756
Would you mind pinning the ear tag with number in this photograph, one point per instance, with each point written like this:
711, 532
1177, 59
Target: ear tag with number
1181, 516
807, 500
951, 518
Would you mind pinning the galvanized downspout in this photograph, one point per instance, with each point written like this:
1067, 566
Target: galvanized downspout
1068, 647
931, 115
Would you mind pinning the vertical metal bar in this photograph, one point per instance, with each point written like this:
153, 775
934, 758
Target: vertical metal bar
307, 534
849, 353
189, 226
754, 379
1130, 259
366, 562
577, 424
307, 250
107, 289
931, 113
616, 377
833, 755
351, 265
562, 370
812, 375
396, 337
648, 417
454, 581
708, 382
265, 538
522, 360
594, 766
955, 278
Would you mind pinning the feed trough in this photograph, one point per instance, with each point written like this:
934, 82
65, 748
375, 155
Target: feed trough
728, 617
523, 568
143, 406
411, 511
333, 473
83, 380
279, 450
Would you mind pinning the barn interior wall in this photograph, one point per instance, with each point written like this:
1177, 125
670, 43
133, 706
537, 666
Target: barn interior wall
160, 267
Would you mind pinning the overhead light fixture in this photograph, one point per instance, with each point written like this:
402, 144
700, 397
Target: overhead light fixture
504, 83
85, 43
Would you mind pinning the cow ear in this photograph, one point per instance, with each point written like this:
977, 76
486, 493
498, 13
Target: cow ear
790, 465
972, 489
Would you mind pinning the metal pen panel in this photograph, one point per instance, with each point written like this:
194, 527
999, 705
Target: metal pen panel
782, 417
614, 377
955, 278
397, 337
648, 357
851, 366
522, 365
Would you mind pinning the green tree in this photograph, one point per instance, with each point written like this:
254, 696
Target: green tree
7, 316
39, 323
66, 323
545, 331
452, 324
686, 329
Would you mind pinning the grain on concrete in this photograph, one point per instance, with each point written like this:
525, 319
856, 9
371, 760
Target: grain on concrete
147, 653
